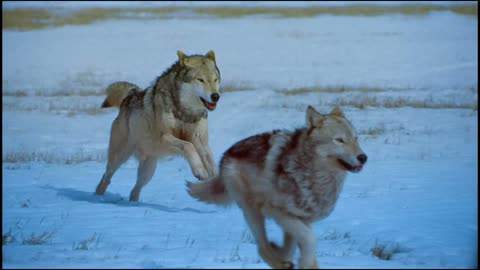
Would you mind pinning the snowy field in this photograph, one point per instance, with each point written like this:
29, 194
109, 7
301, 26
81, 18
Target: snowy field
408, 84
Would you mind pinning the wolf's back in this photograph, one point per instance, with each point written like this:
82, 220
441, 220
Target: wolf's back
210, 191
116, 93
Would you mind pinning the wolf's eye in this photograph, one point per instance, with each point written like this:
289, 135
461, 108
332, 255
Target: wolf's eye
216, 79
201, 80
340, 140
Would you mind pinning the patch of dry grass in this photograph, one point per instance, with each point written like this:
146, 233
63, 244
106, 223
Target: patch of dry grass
329, 89
399, 102
25, 19
373, 131
350, 10
30, 19
90, 110
81, 80
386, 250
61, 93
8, 237
67, 93
13, 93
233, 87
87, 244
70, 108
40, 239
22, 156
83, 83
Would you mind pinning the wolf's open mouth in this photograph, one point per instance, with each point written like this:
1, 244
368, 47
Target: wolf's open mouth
349, 167
208, 105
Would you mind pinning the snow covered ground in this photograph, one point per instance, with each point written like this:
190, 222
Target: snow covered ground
411, 91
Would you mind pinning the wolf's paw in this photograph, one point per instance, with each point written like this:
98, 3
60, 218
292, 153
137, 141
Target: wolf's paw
288, 265
200, 173
134, 197
310, 265
99, 191
101, 188
283, 265
212, 172
280, 251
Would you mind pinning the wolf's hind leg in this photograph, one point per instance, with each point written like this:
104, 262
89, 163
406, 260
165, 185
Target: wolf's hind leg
118, 152
114, 163
145, 172
288, 249
256, 222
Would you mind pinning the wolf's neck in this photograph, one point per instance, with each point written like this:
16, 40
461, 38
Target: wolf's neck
293, 157
167, 81
302, 156
167, 87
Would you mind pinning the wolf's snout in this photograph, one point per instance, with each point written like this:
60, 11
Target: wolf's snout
362, 158
215, 97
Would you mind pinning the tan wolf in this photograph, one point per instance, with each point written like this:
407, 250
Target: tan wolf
168, 118
293, 177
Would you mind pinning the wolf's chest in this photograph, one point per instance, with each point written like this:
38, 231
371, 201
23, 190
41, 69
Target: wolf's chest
184, 132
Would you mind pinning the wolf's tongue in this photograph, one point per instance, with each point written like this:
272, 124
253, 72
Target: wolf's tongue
357, 168
211, 106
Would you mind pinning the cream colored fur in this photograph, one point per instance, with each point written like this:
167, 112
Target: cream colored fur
168, 118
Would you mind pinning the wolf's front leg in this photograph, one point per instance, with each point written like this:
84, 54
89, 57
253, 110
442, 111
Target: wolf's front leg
200, 141
207, 157
190, 153
213, 167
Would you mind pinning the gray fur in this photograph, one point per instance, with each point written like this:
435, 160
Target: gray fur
294, 177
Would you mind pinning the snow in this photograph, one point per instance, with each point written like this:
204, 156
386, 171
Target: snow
417, 194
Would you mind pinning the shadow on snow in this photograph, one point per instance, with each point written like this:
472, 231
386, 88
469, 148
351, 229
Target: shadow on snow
116, 199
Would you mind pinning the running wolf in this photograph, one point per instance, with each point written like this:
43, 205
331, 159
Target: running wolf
293, 177
168, 118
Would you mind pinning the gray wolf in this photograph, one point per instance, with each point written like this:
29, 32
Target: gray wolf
294, 177
167, 118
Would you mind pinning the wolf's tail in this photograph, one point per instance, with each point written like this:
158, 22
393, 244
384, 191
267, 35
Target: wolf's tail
116, 92
210, 191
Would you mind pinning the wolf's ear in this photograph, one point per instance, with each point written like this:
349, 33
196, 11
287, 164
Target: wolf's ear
211, 55
181, 57
314, 118
337, 112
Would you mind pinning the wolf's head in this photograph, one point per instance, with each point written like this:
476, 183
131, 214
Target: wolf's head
335, 139
199, 80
